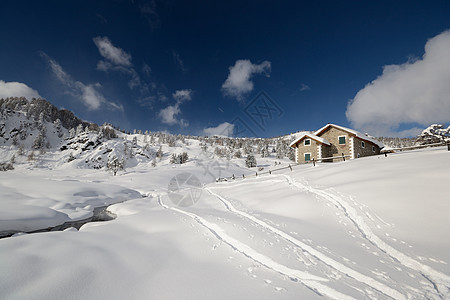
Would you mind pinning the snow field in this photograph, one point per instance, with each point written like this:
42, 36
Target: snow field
339, 231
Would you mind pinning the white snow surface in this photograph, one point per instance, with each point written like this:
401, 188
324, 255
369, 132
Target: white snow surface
369, 228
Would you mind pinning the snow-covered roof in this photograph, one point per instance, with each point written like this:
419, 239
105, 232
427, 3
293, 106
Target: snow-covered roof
311, 136
358, 134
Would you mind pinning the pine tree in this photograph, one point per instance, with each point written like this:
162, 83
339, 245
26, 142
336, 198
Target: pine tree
39, 142
250, 162
160, 153
280, 151
57, 125
183, 158
265, 151
229, 153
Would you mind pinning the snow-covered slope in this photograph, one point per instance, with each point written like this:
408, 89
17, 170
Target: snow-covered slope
371, 228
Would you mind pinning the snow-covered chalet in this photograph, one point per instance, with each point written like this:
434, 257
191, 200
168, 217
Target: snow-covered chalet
334, 141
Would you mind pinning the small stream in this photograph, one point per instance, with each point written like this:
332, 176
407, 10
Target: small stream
101, 214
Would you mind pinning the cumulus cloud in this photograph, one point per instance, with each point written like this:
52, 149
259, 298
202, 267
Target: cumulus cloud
17, 89
239, 81
416, 92
112, 53
224, 129
87, 94
169, 115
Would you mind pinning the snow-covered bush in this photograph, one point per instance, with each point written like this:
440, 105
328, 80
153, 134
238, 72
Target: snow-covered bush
6, 166
179, 159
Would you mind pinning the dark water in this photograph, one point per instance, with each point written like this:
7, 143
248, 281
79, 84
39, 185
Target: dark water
100, 214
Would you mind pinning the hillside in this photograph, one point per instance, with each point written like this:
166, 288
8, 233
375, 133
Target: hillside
30, 129
370, 228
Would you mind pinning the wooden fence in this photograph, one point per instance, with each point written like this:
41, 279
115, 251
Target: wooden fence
256, 173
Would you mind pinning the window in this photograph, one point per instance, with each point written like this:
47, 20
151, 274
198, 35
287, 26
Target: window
373, 148
307, 142
342, 140
307, 156
363, 145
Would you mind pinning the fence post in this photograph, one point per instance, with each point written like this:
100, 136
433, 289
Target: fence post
343, 157
232, 177
270, 172
448, 146
385, 154
243, 176
290, 167
314, 162
256, 174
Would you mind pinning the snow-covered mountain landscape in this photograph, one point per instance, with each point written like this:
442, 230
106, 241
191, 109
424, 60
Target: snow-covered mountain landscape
368, 228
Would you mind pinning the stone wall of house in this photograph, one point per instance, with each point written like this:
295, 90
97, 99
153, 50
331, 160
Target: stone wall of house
367, 150
326, 152
332, 135
302, 149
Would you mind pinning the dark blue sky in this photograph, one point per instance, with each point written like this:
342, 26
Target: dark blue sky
310, 57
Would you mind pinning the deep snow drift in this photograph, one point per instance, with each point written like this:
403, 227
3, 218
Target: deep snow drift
370, 228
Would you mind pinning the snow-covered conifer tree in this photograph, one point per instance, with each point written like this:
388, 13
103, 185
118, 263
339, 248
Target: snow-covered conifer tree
250, 162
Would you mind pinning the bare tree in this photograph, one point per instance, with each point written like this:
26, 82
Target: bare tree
115, 164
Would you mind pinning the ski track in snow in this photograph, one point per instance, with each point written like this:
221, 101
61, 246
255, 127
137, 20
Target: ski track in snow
440, 281
388, 291
309, 280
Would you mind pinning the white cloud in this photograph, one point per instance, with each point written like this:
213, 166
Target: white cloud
169, 114
90, 96
17, 89
416, 92
182, 95
112, 53
87, 94
104, 66
224, 129
239, 81
119, 60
